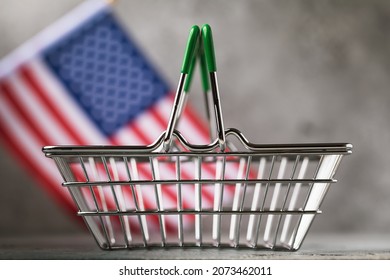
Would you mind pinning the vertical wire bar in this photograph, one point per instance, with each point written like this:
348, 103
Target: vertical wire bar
121, 202
285, 198
217, 111
139, 196
158, 194
90, 187
262, 204
115, 200
91, 224
236, 198
217, 194
274, 200
179, 203
294, 236
294, 199
103, 200
256, 197
84, 169
137, 209
198, 201
326, 170
174, 113
220, 172
220, 208
63, 167
237, 234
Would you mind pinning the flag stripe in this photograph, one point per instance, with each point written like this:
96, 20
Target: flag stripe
79, 141
58, 98
30, 78
38, 89
36, 113
9, 96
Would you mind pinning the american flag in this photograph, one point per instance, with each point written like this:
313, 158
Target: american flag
83, 81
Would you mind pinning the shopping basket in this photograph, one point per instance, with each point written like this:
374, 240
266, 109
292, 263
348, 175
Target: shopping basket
229, 193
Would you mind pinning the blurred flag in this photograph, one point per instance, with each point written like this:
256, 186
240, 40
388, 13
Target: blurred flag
82, 81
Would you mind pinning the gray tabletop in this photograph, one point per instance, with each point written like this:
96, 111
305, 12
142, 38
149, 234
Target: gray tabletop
341, 246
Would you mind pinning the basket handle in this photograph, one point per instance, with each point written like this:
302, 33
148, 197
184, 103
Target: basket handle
199, 44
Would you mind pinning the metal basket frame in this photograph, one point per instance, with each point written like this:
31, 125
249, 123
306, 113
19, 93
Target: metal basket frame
254, 204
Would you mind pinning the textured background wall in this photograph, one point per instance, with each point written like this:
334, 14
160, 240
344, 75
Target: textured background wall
289, 71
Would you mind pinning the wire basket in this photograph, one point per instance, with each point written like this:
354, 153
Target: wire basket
229, 193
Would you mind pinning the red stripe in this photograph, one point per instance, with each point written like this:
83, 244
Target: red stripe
158, 117
9, 94
196, 121
30, 78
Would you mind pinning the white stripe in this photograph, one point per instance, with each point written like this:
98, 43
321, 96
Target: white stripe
126, 136
164, 107
149, 126
51, 34
38, 113
191, 132
66, 106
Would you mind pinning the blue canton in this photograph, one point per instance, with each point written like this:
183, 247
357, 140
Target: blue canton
105, 73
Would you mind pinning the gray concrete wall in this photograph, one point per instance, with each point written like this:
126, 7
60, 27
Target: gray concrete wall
289, 71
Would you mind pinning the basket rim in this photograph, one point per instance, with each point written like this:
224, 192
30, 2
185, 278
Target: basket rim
198, 150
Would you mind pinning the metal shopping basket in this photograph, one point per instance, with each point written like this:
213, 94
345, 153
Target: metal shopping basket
226, 194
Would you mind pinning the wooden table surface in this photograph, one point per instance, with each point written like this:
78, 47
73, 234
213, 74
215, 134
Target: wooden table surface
331, 246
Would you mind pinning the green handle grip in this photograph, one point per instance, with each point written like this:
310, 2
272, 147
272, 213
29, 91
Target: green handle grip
208, 43
203, 69
189, 53
187, 84
202, 48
